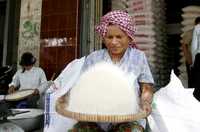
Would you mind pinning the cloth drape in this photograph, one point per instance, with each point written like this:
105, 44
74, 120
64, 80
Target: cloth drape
55, 122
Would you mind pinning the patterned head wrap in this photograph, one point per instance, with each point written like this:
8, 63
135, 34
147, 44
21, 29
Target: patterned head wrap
120, 18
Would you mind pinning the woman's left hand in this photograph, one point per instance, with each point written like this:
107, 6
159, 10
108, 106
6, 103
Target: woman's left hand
146, 106
146, 97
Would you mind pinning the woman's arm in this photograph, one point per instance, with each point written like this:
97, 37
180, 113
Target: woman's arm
14, 84
146, 98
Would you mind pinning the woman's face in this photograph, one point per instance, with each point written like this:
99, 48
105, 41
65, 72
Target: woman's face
27, 67
116, 40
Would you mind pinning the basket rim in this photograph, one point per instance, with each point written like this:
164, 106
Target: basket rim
18, 98
61, 109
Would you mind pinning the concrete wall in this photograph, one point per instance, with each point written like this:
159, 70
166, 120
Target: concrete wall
29, 29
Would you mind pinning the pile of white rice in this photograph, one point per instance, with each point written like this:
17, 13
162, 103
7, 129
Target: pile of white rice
104, 90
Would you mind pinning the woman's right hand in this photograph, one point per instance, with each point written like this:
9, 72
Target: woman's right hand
11, 90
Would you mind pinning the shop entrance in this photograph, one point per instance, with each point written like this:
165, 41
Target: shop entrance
174, 30
2, 24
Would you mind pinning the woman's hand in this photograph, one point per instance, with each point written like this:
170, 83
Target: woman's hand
36, 92
11, 90
146, 97
146, 106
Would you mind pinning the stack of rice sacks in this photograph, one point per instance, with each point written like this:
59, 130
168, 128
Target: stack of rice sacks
149, 17
189, 14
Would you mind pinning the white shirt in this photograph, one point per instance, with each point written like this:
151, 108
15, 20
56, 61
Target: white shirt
195, 47
29, 79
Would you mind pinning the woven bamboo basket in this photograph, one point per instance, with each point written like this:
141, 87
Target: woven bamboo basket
61, 105
19, 95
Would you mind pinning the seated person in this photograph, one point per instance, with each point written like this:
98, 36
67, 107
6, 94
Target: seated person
117, 31
29, 77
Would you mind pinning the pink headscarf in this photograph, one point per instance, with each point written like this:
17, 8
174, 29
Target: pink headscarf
120, 18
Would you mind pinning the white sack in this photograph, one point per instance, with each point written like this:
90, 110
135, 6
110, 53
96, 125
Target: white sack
63, 83
191, 9
175, 109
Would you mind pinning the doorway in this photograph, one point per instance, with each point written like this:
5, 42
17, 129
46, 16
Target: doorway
2, 25
174, 30
9, 28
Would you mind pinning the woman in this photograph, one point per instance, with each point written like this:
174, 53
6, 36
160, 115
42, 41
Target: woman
29, 77
117, 30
